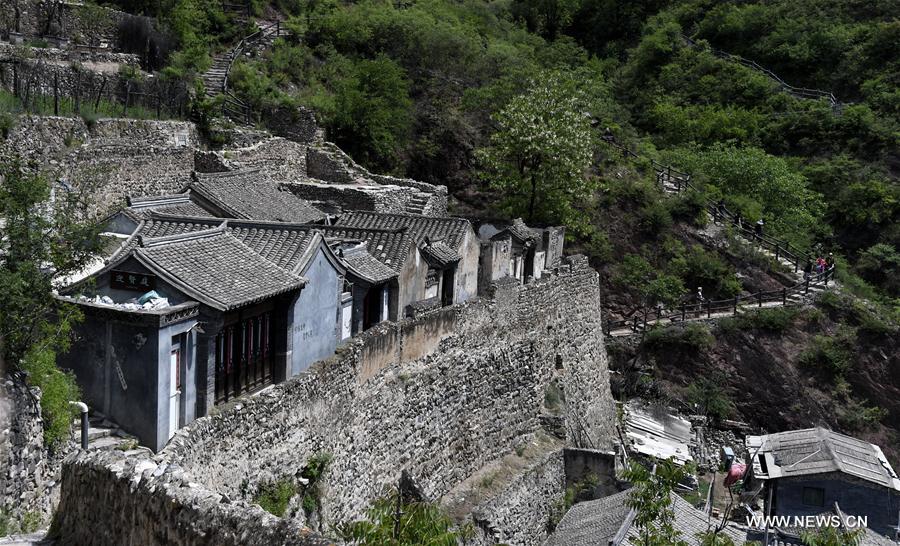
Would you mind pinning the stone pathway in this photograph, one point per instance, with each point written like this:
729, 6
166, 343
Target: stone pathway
674, 182
36, 538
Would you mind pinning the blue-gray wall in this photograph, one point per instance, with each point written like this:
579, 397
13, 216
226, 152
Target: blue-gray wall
855, 497
188, 401
313, 319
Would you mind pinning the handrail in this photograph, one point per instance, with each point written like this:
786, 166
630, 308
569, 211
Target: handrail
707, 308
781, 248
799, 92
233, 105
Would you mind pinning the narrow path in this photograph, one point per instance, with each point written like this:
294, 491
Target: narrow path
801, 292
796, 92
215, 79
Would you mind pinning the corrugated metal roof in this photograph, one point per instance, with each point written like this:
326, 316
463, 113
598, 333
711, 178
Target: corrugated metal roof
657, 432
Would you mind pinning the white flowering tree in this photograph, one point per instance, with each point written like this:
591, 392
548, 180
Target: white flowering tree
540, 154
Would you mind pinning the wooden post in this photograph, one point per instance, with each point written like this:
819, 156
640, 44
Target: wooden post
784, 296
77, 92
99, 93
806, 288
55, 93
759, 297
683, 312
777, 251
708, 308
735, 305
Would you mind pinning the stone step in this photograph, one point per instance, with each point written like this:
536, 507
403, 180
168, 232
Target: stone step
95, 433
108, 443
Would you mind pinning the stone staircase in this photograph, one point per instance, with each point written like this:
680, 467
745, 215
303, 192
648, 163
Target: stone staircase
214, 77
417, 204
104, 435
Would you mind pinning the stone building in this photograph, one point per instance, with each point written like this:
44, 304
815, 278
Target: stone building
448, 247
806, 472
518, 251
228, 317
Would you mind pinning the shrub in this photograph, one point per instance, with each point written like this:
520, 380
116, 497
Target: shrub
691, 337
312, 473
710, 398
689, 207
774, 320
655, 218
58, 388
859, 417
5, 527
274, 497
832, 355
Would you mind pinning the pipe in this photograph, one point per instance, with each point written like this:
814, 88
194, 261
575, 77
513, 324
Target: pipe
84, 423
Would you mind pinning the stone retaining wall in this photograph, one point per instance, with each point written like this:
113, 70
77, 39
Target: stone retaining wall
29, 474
329, 163
520, 514
438, 416
123, 156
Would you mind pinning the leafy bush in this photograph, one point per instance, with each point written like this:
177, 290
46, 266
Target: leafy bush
312, 472
859, 417
710, 398
655, 218
421, 523
58, 388
274, 497
773, 320
690, 337
830, 354
880, 265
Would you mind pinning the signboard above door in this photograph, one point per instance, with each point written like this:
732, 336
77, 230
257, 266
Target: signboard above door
128, 280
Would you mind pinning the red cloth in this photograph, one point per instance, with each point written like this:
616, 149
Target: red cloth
735, 473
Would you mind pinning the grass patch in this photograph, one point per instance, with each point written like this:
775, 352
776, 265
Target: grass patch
773, 320
274, 497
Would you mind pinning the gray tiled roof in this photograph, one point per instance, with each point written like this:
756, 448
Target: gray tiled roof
139, 208
389, 246
591, 523
452, 231
363, 265
215, 268
596, 523
283, 244
439, 254
249, 193
818, 451
519, 231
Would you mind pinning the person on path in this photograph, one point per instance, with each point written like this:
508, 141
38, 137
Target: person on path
829, 264
758, 229
807, 269
820, 265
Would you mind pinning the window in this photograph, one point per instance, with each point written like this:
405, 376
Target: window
813, 496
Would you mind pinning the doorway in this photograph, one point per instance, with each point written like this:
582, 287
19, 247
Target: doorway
174, 388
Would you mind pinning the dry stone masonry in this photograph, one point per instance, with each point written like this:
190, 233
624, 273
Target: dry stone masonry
439, 397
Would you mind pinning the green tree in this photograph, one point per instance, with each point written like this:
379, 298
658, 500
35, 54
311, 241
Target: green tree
418, 524
539, 155
40, 240
651, 497
830, 536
